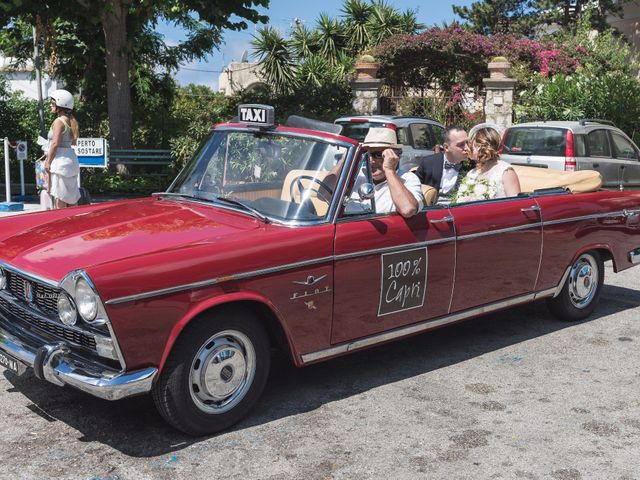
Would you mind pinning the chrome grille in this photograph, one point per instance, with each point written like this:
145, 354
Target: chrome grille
43, 296
20, 313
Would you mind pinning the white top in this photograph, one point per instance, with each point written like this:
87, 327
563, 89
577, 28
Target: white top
384, 202
485, 185
449, 178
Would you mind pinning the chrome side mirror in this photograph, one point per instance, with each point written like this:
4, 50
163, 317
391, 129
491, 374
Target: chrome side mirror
366, 191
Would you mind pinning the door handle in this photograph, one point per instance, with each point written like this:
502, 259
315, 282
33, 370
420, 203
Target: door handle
447, 219
596, 165
534, 208
631, 213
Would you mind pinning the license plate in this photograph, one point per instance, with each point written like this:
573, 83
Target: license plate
10, 363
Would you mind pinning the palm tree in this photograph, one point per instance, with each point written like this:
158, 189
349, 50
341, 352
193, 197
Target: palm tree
331, 38
274, 54
384, 22
355, 14
304, 41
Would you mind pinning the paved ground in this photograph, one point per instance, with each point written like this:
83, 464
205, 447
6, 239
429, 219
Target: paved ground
510, 395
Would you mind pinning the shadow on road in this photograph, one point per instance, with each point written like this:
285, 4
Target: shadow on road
133, 427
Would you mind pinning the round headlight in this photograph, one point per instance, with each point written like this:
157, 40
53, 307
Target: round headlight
86, 300
3, 279
66, 310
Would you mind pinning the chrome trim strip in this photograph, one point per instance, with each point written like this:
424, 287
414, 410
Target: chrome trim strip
376, 251
455, 266
30, 276
501, 230
595, 216
245, 275
558, 289
420, 327
216, 281
535, 285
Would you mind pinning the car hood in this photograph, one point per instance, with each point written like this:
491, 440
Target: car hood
51, 244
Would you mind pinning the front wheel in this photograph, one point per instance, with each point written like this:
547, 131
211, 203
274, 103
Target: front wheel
214, 374
581, 291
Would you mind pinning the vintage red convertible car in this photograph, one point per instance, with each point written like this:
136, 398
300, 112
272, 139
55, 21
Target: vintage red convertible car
184, 294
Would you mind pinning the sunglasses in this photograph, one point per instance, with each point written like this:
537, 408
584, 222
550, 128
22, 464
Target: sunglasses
377, 154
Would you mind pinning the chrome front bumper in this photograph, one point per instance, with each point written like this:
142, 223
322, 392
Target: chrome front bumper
56, 364
634, 256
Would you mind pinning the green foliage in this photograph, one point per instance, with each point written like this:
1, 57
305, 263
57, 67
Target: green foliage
605, 86
195, 110
529, 17
328, 51
275, 54
105, 182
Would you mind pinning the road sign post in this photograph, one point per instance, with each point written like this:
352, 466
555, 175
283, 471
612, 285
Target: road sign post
21, 155
8, 205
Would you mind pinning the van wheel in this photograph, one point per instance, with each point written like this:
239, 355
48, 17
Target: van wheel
214, 374
581, 291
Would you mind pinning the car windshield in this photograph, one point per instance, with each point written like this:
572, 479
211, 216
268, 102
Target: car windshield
549, 142
269, 175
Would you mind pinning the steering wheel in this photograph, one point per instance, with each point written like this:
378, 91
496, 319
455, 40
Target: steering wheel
321, 186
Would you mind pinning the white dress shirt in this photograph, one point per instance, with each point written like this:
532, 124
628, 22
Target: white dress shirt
384, 202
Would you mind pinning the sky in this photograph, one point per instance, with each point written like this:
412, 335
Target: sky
282, 14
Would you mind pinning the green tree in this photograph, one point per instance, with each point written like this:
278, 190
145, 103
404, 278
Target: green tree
118, 26
527, 17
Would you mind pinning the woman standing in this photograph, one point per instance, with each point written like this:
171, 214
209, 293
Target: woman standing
62, 162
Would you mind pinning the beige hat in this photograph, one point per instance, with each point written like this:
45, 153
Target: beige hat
381, 137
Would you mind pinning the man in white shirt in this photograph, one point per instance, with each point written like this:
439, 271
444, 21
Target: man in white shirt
393, 192
443, 170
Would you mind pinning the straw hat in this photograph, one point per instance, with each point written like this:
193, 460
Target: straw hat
381, 138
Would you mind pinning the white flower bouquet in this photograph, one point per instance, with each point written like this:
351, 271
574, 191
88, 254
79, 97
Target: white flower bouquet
473, 189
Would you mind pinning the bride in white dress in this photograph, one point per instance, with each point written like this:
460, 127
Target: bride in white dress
492, 178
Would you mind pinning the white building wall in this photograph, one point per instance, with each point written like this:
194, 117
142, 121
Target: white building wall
22, 79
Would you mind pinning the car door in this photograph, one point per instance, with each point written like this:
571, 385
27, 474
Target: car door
498, 250
390, 271
627, 156
599, 157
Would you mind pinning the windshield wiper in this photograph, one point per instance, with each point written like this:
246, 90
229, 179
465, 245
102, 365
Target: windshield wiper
179, 195
244, 206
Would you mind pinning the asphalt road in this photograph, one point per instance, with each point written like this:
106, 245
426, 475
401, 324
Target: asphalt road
510, 395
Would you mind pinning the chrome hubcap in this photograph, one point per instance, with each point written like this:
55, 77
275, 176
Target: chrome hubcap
583, 281
222, 371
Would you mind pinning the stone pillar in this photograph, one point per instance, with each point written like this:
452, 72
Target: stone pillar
366, 95
498, 103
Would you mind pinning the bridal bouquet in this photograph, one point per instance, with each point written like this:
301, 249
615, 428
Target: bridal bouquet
473, 189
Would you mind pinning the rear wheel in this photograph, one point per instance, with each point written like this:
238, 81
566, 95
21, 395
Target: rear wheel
581, 291
214, 374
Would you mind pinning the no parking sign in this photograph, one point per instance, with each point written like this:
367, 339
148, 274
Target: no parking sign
21, 150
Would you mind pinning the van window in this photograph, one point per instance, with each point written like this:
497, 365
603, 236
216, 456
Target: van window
598, 143
580, 150
421, 136
549, 142
622, 147
438, 134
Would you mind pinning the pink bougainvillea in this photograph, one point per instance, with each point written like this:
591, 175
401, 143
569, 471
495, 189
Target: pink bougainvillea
556, 61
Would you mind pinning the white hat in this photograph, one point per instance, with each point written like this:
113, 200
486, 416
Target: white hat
493, 126
381, 137
62, 98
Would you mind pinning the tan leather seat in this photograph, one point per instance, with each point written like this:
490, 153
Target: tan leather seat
320, 205
534, 178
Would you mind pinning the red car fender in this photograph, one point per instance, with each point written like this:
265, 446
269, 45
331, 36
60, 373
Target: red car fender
217, 301
596, 246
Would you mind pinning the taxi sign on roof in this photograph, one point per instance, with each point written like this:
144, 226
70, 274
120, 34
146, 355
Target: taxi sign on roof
253, 114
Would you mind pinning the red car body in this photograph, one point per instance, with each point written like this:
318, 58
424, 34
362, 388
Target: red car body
319, 289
